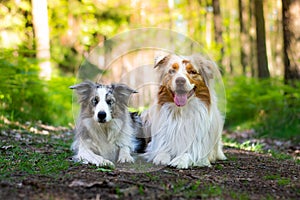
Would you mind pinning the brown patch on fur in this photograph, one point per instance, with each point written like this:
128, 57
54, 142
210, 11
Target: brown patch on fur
191, 69
201, 90
175, 66
185, 62
165, 94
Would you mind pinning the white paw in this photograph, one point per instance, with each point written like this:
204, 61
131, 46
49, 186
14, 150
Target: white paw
221, 156
126, 159
181, 162
103, 163
162, 159
95, 159
124, 155
203, 163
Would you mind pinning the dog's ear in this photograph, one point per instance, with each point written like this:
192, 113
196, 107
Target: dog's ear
122, 92
206, 67
84, 89
161, 60
122, 89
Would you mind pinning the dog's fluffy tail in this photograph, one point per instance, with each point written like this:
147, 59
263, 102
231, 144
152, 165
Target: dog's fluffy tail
140, 140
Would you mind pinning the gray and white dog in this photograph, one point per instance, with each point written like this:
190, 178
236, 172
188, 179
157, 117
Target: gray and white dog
105, 131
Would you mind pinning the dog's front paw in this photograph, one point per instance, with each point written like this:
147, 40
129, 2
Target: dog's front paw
94, 159
162, 159
124, 156
221, 155
104, 163
181, 162
126, 159
204, 162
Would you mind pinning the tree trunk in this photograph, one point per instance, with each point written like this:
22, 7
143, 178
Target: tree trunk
262, 62
253, 58
218, 29
291, 40
41, 31
244, 35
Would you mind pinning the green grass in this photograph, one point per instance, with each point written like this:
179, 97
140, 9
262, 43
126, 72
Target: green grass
239, 195
34, 155
152, 177
279, 155
141, 190
102, 169
218, 166
282, 181
247, 145
255, 147
204, 192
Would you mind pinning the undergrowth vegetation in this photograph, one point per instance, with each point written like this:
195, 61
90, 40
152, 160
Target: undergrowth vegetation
269, 106
25, 97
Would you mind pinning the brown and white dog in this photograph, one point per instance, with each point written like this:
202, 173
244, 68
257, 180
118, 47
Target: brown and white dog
184, 122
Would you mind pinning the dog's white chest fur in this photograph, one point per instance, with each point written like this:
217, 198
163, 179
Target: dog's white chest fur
184, 136
175, 129
103, 137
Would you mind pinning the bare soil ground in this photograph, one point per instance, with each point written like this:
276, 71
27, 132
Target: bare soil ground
245, 175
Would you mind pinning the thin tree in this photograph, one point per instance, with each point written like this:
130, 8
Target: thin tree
291, 40
244, 35
218, 28
262, 61
41, 32
252, 39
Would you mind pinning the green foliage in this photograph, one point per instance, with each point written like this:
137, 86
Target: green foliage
22, 92
102, 169
267, 105
247, 145
15, 24
60, 100
78, 26
25, 97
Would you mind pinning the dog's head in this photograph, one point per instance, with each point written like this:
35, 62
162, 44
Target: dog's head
102, 102
184, 77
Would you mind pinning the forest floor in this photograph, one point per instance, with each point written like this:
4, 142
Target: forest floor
35, 164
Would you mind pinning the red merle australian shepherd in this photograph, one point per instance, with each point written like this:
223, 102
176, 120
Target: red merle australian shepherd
184, 122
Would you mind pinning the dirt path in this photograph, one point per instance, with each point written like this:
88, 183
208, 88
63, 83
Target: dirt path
245, 175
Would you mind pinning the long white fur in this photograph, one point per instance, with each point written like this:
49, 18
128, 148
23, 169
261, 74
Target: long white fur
185, 136
112, 139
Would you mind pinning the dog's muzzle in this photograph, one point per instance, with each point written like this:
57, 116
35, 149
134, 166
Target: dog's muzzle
181, 94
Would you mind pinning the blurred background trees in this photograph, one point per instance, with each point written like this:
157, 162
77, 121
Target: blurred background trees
249, 39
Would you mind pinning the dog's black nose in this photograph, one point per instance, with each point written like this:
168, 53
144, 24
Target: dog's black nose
180, 81
101, 115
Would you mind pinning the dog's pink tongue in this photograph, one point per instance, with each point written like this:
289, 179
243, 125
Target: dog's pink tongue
180, 99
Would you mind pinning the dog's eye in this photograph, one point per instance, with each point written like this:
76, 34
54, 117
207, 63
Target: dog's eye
95, 101
172, 71
109, 101
193, 72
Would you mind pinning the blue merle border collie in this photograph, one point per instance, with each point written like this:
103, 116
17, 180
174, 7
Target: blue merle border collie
105, 131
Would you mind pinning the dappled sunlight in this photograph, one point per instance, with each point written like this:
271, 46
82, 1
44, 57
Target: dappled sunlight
36, 128
49, 45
